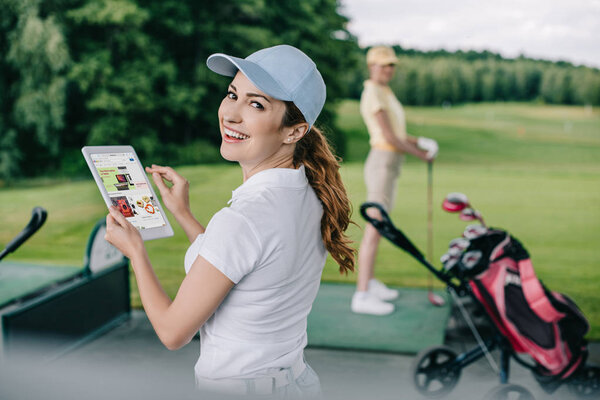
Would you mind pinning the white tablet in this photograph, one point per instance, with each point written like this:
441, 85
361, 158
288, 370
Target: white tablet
124, 184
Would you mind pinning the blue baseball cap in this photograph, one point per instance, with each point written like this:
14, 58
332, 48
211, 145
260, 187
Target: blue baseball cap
283, 72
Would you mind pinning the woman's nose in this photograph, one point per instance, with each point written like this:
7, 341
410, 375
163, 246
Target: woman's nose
230, 111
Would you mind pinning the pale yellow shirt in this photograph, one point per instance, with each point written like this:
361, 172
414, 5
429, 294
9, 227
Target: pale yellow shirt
375, 98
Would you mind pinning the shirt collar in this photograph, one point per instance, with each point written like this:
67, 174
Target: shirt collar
273, 177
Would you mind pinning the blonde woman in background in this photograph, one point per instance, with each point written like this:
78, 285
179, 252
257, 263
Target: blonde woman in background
384, 117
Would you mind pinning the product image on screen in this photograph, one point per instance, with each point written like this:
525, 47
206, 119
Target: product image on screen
128, 189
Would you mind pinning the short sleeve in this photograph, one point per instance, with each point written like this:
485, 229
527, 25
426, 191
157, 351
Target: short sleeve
231, 245
373, 99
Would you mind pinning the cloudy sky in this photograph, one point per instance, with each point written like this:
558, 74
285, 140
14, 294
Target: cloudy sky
550, 29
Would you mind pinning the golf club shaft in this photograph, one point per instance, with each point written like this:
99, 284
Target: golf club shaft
433, 298
430, 211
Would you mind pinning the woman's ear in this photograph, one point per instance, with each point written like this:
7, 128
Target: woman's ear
296, 133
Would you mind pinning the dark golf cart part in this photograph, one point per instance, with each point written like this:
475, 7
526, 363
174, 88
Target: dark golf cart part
386, 228
443, 366
38, 217
586, 383
505, 392
68, 313
437, 369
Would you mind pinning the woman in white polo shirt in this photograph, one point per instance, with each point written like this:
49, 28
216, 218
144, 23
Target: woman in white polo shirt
254, 272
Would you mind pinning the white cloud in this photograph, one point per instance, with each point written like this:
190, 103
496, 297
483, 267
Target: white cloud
551, 29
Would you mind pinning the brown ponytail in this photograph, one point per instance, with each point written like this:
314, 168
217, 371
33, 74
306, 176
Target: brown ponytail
322, 172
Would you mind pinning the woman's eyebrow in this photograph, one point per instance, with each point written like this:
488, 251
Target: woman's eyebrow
250, 94
257, 95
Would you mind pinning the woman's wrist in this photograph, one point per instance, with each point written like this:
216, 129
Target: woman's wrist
182, 213
138, 254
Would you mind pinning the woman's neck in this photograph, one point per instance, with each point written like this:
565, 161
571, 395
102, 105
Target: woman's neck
283, 161
379, 83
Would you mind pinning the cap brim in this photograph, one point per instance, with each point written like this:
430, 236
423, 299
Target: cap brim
226, 65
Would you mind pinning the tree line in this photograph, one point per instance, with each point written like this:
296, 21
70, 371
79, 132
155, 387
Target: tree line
439, 77
92, 72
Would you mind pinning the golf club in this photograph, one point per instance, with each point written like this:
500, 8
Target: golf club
434, 299
38, 217
474, 231
459, 243
455, 202
459, 203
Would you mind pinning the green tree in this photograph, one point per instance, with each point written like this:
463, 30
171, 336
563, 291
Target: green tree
35, 59
425, 84
140, 66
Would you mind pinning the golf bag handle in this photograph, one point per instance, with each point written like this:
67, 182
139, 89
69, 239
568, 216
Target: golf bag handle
386, 228
38, 217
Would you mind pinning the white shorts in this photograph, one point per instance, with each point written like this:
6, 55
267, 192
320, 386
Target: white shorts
382, 170
297, 382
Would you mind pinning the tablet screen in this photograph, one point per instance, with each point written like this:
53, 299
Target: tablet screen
128, 189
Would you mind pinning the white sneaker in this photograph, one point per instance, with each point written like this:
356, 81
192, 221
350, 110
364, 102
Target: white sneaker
381, 291
367, 303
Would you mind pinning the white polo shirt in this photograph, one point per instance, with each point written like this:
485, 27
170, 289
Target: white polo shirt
268, 242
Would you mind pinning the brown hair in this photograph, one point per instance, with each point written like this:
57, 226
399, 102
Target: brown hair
322, 172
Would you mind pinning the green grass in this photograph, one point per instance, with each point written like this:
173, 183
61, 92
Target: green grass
531, 169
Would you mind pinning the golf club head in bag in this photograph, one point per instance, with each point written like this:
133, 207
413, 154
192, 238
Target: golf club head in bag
474, 231
38, 217
455, 249
459, 203
455, 202
458, 243
450, 258
468, 214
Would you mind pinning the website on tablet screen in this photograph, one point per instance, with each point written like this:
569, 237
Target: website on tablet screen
128, 190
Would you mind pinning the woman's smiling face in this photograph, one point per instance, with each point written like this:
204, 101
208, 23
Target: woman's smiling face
250, 124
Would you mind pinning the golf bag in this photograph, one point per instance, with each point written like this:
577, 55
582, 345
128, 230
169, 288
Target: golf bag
491, 267
546, 325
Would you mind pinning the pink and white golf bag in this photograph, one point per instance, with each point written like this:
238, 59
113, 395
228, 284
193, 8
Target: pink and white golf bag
546, 325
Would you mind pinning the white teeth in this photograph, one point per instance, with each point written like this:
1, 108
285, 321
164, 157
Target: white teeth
236, 135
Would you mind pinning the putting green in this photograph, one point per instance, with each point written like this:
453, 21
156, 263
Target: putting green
20, 279
414, 325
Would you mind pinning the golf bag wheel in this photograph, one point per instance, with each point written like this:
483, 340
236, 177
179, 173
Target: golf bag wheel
433, 372
586, 384
506, 392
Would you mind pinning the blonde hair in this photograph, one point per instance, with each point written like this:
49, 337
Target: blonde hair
322, 171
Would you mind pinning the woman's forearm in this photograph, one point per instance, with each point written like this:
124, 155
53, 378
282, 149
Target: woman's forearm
175, 322
154, 299
189, 224
406, 146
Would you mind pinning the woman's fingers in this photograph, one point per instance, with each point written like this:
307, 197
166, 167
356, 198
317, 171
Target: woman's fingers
160, 184
109, 220
111, 225
117, 217
162, 172
167, 173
